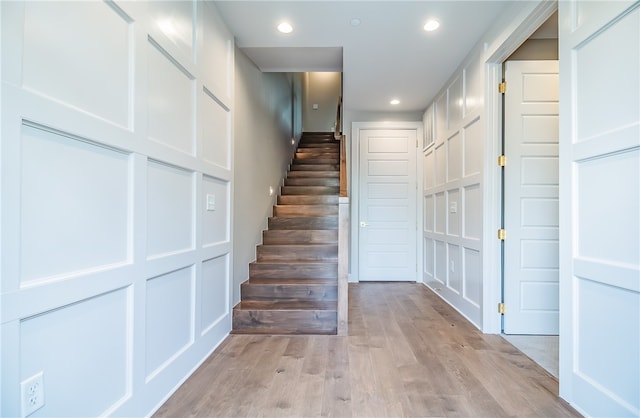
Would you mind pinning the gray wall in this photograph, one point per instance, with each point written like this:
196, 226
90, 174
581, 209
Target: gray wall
263, 151
322, 89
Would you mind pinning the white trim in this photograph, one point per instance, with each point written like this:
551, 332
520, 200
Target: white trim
356, 127
491, 321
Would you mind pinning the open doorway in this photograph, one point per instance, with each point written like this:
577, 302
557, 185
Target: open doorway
530, 197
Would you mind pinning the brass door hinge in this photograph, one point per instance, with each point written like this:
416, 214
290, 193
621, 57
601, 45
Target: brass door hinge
502, 160
501, 308
502, 234
502, 87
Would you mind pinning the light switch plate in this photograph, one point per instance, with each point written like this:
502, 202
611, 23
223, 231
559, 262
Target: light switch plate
211, 202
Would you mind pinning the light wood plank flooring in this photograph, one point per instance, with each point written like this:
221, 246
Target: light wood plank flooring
407, 354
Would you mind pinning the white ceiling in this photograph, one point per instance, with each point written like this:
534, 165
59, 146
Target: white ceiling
387, 56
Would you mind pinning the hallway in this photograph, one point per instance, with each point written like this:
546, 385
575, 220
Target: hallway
407, 354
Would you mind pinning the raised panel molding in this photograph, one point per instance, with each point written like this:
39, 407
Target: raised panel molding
109, 256
96, 74
65, 341
169, 318
61, 199
170, 100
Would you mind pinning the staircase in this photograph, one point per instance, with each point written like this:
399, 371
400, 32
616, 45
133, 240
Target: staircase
293, 284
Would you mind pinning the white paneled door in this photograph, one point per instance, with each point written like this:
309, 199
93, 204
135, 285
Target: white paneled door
387, 205
600, 206
531, 198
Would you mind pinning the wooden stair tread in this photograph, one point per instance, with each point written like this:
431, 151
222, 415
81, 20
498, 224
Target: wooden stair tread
304, 236
250, 305
292, 281
307, 200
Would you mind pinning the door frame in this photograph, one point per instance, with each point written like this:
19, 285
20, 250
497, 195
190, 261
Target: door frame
491, 270
356, 127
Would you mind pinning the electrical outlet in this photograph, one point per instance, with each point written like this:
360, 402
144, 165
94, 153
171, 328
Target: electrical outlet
32, 394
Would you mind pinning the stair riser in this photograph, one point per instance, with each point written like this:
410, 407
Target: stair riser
310, 190
311, 181
318, 140
316, 150
314, 167
294, 271
327, 222
277, 237
313, 155
307, 200
315, 174
305, 210
292, 253
327, 146
286, 292
285, 322
317, 161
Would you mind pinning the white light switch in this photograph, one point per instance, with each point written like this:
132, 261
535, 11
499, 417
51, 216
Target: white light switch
453, 207
211, 202
315, 106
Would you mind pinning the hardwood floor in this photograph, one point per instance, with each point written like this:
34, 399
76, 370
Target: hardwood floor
407, 354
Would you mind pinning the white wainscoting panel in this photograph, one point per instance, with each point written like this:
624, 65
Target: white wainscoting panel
71, 205
216, 135
171, 100
95, 74
455, 103
429, 213
472, 276
217, 59
216, 223
214, 297
453, 216
454, 281
170, 204
453, 182
441, 262
441, 213
169, 318
454, 157
176, 20
600, 227
65, 343
473, 148
472, 217
440, 164
116, 280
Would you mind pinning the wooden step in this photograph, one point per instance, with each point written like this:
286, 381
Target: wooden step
320, 154
317, 139
324, 161
308, 200
323, 146
290, 270
318, 150
297, 252
253, 317
308, 236
304, 210
314, 167
299, 222
310, 190
287, 290
323, 174
311, 181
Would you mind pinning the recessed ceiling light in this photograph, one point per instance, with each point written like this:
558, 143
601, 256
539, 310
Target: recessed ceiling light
395, 102
285, 27
355, 21
431, 25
